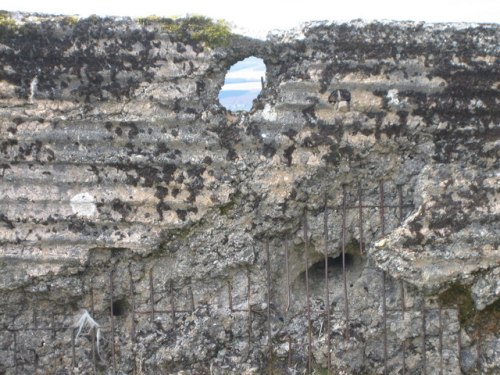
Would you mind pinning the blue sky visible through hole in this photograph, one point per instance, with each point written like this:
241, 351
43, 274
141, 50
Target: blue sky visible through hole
242, 84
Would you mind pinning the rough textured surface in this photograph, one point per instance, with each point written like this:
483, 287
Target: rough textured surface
128, 191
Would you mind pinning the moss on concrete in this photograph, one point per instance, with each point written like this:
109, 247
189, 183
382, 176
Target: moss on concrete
460, 296
484, 321
194, 29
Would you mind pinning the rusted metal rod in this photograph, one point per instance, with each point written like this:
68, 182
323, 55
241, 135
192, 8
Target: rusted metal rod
15, 352
230, 295
384, 312
172, 307
344, 272
400, 203
382, 208
308, 297
287, 265
440, 341
268, 269
360, 216
403, 310
424, 333
92, 334
73, 353
152, 294
289, 351
112, 316
191, 297
132, 328
327, 290
249, 295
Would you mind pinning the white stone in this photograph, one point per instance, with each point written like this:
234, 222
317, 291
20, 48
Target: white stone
83, 205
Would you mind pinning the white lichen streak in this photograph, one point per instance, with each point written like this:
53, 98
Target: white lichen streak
83, 205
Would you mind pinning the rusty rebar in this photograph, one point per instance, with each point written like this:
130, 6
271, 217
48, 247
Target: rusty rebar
191, 297
230, 295
384, 312
35, 315
287, 265
400, 203
73, 353
152, 294
53, 320
15, 352
132, 328
424, 333
172, 308
440, 341
249, 295
403, 310
289, 352
92, 334
308, 297
360, 217
327, 290
268, 271
382, 208
344, 273
479, 348
112, 316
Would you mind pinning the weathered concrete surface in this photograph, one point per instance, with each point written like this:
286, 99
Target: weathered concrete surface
116, 158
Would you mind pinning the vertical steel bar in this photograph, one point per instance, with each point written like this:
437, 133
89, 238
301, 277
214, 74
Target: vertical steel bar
191, 297
287, 265
53, 320
92, 335
384, 311
73, 353
15, 352
344, 273
249, 295
132, 329
308, 297
35, 315
424, 333
230, 295
112, 316
459, 343
440, 340
269, 331
172, 306
479, 349
403, 306
400, 203
382, 209
152, 294
403, 309
360, 216
384, 307
327, 289
289, 351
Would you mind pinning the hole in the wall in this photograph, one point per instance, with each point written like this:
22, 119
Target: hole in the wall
119, 307
334, 264
243, 83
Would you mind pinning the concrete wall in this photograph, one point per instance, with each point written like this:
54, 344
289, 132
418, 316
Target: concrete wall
127, 191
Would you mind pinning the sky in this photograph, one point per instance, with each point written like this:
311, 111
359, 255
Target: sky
257, 17
242, 84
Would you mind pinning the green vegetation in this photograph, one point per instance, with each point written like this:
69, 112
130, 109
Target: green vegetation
7, 25
6, 21
487, 320
194, 29
70, 20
